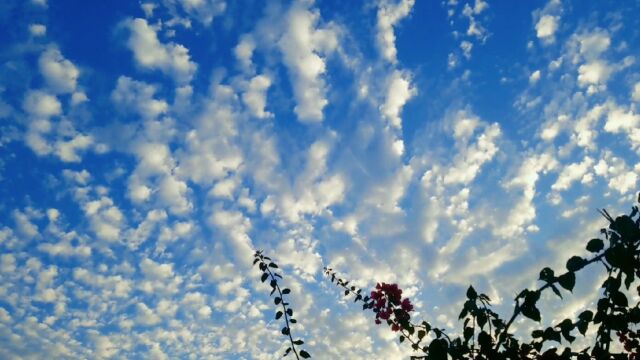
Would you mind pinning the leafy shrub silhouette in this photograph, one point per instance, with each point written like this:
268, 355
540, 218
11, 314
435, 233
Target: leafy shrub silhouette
485, 335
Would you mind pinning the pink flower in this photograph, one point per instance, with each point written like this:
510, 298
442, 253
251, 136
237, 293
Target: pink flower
406, 305
385, 314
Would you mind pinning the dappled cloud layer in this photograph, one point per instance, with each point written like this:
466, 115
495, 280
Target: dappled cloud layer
149, 149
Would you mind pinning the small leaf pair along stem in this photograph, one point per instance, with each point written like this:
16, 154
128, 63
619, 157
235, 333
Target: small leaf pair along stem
265, 264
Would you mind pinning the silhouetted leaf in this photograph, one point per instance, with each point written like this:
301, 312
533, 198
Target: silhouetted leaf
531, 312
286, 291
576, 263
471, 293
438, 349
556, 291
264, 277
582, 327
278, 315
304, 354
595, 245
468, 333
482, 319
277, 300
273, 265
567, 280
285, 330
298, 342
619, 299
546, 274
551, 334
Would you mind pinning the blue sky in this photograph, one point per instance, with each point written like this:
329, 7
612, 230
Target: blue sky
148, 148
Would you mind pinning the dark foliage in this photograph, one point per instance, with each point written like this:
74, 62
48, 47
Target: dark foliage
485, 335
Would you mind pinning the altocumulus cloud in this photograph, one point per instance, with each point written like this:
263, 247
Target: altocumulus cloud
429, 144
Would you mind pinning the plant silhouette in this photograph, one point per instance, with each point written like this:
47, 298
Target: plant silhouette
485, 335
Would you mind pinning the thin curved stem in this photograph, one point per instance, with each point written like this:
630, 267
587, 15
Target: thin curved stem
284, 310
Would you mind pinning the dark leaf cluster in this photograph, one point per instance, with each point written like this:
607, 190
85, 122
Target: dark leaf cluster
485, 335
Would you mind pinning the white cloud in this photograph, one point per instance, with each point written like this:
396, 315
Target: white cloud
41, 104
104, 347
37, 29
148, 9
224, 188
7, 263
139, 97
174, 194
210, 150
78, 97
171, 59
571, 173
480, 6
105, 218
388, 16
399, 91
109, 286
244, 51
154, 270
534, 77
146, 316
475, 29
594, 73
593, 44
255, 97
466, 47
468, 163
617, 173
67, 151
203, 10
302, 47
619, 120
523, 213
546, 27
61, 75
44, 136
635, 95
236, 226
24, 225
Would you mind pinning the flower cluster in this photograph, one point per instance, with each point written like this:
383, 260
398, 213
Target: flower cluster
631, 343
388, 305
